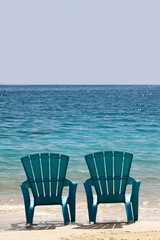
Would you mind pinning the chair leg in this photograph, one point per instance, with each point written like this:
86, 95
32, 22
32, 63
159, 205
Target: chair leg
72, 211
129, 212
28, 203
65, 212
72, 201
89, 196
30, 215
94, 212
135, 211
134, 199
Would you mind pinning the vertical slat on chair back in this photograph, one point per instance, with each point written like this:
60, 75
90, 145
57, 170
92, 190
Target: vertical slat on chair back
36, 166
126, 170
45, 159
93, 172
99, 161
54, 167
109, 171
46, 173
118, 159
29, 173
62, 173
108, 155
59, 165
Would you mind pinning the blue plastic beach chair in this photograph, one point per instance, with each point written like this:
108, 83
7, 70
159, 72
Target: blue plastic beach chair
46, 178
109, 173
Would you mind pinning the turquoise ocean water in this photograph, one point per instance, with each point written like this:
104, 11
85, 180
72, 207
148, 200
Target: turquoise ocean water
77, 120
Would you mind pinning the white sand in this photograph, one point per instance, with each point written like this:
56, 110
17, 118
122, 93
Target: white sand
103, 231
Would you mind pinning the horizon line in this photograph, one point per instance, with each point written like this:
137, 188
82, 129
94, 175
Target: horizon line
114, 84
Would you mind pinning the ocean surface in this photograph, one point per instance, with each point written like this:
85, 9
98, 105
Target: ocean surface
77, 120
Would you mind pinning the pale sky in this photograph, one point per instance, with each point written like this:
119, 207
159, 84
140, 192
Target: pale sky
80, 42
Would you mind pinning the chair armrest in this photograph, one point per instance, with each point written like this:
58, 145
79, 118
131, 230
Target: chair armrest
92, 200
135, 196
131, 180
26, 195
71, 199
135, 187
25, 190
88, 188
72, 190
89, 196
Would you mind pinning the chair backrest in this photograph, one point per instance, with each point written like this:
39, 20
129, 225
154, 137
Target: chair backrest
109, 171
46, 173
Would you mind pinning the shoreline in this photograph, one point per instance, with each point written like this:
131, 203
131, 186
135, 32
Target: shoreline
48, 222
13, 216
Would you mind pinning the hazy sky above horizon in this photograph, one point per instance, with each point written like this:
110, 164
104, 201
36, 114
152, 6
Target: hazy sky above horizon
79, 42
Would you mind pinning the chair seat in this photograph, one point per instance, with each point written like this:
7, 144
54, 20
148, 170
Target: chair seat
114, 198
48, 200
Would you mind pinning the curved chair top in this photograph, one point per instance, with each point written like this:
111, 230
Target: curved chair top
46, 173
109, 171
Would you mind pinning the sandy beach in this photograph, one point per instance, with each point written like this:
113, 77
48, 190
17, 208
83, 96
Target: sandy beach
103, 231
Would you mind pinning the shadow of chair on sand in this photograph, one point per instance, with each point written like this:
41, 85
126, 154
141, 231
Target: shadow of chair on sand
102, 225
76, 226
37, 226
